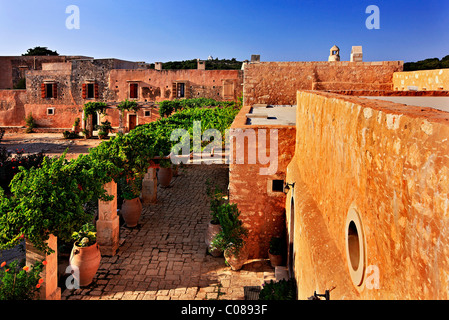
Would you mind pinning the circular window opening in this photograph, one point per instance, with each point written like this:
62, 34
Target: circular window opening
355, 246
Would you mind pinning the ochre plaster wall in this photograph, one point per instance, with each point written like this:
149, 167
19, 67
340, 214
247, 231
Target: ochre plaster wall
159, 84
422, 80
391, 163
262, 210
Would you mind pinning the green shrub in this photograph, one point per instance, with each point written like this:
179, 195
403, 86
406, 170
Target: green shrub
70, 135
233, 233
30, 123
216, 197
86, 236
281, 290
18, 283
276, 245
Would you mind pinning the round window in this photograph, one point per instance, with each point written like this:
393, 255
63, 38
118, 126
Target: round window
355, 246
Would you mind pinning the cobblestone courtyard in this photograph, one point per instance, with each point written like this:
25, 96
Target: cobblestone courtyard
165, 256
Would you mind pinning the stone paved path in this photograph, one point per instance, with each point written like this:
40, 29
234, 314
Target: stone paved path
165, 257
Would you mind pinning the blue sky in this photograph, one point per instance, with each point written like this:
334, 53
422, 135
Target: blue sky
278, 30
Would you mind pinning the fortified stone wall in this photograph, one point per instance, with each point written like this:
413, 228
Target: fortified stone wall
422, 80
13, 68
263, 210
387, 163
277, 82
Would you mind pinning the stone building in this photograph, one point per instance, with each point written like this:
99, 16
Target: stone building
360, 189
57, 89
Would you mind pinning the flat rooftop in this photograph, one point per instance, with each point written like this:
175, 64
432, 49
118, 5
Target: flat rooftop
262, 114
440, 103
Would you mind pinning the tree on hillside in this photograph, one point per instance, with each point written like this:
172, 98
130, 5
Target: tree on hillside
427, 64
216, 64
40, 51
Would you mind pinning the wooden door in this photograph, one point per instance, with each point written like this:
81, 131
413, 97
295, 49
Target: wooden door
132, 122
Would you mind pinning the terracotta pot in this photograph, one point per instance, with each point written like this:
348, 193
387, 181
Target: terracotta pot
211, 232
87, 261
131, 211
164, 176
275, 259
175, 171
236, 261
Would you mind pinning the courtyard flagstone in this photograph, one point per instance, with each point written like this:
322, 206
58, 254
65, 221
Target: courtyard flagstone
165, 256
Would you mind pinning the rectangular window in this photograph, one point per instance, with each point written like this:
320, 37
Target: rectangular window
228, 89
133, 89
278, 186
147, 113
181, 90
49, 90
50, 111
90, 91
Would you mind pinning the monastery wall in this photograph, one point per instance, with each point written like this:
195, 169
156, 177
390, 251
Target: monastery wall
263, 210
422, 80
369, 209
277, 82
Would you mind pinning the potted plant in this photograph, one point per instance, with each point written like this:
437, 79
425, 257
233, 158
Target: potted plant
214, 227
86, 134
85, 256
131, 209
165, 173
232, 237
103, 129
275, 251
76, 126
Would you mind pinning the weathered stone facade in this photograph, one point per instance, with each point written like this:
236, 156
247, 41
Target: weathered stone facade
263, 209
277, 82
159, 85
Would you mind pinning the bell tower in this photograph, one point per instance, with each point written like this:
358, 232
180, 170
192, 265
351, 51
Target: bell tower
334, 54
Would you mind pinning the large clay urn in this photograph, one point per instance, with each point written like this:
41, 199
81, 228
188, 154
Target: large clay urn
164, 176
236, 261
275, 259
85, 262
211, 232
131, 211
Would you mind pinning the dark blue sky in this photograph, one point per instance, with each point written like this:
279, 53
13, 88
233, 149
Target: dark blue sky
278, 30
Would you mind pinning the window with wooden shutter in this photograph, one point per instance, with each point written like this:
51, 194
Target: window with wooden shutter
84, 91
55, 91
174, 90
96, 94
228, 89
49, 91
133, 90
43, 95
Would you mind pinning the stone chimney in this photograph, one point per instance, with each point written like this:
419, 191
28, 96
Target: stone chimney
357, 54
255, 58
158, 66
201, 65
